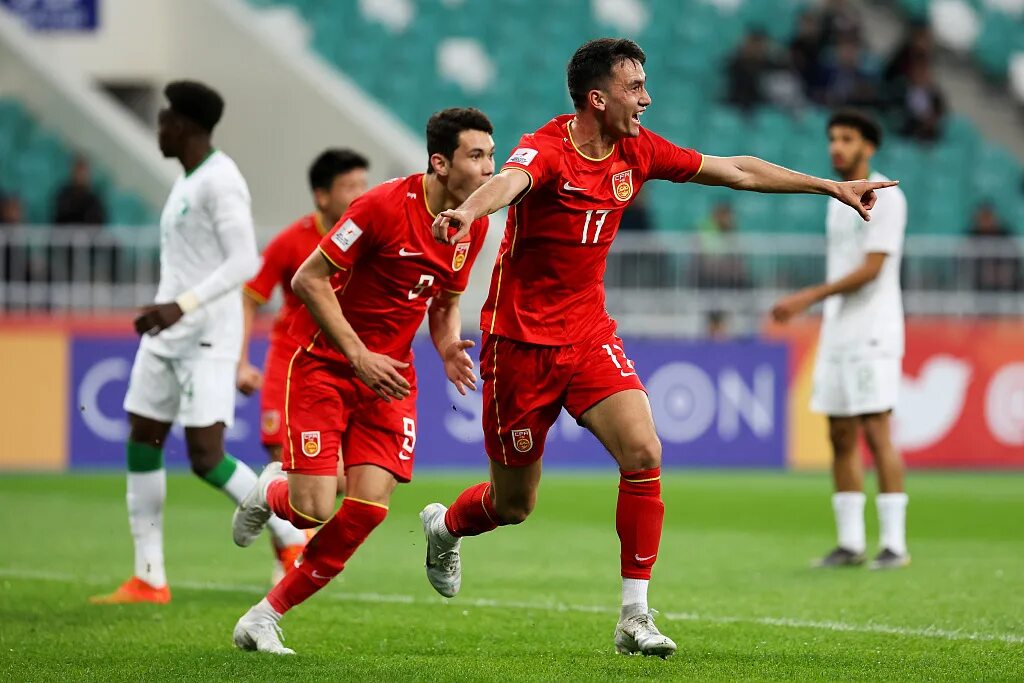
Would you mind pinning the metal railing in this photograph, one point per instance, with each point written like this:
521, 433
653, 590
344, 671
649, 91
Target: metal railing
657, 283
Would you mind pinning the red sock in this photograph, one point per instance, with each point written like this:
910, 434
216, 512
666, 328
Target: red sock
326, 554
638, 520
277, 499
472, 513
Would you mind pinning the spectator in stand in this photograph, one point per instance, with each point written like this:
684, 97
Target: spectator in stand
77, 202
997, 265
719, 263
846, 79
920, 104
916, 47
717, 328
806, 50
11, 212
840, 19
747, 70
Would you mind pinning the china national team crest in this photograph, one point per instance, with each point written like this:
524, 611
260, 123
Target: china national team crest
270, 421
461, 253
311, 444
622, 185
522, 439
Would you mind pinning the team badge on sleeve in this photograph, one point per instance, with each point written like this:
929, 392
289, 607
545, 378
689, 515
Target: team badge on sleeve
523, 156
461, 253
311, 444
522, 439
622, 185
347, 235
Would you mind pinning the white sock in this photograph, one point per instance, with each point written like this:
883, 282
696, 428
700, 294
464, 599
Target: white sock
147, 492
634, 597
849, 510
442, 530
239, 484
264, 609
892, 521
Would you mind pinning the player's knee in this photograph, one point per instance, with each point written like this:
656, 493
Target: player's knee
843, 438
643, 455
202, 461
514, 511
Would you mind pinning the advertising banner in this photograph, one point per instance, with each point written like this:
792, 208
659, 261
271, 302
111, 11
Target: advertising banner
715, 405
56, 15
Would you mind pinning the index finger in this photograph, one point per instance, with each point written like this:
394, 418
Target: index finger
440, 227
457, 237
877, 184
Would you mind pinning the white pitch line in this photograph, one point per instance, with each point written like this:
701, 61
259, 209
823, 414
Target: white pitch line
395, 598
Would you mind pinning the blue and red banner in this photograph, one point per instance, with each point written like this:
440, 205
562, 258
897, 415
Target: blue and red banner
716, 405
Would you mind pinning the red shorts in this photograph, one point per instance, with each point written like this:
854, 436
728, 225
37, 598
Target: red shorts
526, 386
328, 409
275, 376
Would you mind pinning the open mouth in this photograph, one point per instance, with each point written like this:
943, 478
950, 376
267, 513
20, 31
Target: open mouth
636, 116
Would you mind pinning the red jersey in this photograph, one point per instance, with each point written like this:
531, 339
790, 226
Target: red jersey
391, 266
282, 257
548, 282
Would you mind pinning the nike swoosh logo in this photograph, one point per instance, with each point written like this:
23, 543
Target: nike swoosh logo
570, 188
404, 457
403, 252
318, 575
637, 556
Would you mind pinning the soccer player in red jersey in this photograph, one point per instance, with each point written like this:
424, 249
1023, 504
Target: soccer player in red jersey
351, 385
336, 177
548, 341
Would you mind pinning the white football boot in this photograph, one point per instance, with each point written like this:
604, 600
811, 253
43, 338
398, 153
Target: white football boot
638, 635
258, 632
253, 512
444, 565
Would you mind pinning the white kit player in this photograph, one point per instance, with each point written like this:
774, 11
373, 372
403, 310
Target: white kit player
860, 353
186, 363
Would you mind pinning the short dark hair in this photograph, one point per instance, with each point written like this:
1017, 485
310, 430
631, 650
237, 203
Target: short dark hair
197, 102
862, 122
593, 62
444, 127
333, 163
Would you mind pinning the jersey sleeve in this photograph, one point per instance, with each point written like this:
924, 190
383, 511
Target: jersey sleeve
354, 236
272, 269
670, 162
535, 159
884, 232
459, 279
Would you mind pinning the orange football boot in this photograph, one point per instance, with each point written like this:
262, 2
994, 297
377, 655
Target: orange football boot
288, 556
132, 591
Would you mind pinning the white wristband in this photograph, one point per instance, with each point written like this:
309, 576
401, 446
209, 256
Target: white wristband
187, 302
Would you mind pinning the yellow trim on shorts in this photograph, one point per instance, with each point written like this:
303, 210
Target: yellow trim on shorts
497, 418
254, 295
366, 502
287, 395
641, 481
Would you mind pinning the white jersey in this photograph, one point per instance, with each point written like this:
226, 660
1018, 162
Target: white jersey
207, 247
867, 322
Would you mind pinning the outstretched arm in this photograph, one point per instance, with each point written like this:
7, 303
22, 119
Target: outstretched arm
495, 194
757, 175
799, 301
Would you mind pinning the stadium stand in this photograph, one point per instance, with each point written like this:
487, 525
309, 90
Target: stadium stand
34, 163
512, 66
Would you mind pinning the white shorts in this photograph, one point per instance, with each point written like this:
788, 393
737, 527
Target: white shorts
848, 387
196, 392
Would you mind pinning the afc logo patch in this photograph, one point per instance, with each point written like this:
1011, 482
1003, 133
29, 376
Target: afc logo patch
622, 185
311, 444
270, 421
461, 254
522, 439
346, 235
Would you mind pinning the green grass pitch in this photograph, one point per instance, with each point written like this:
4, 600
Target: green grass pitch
538, 601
